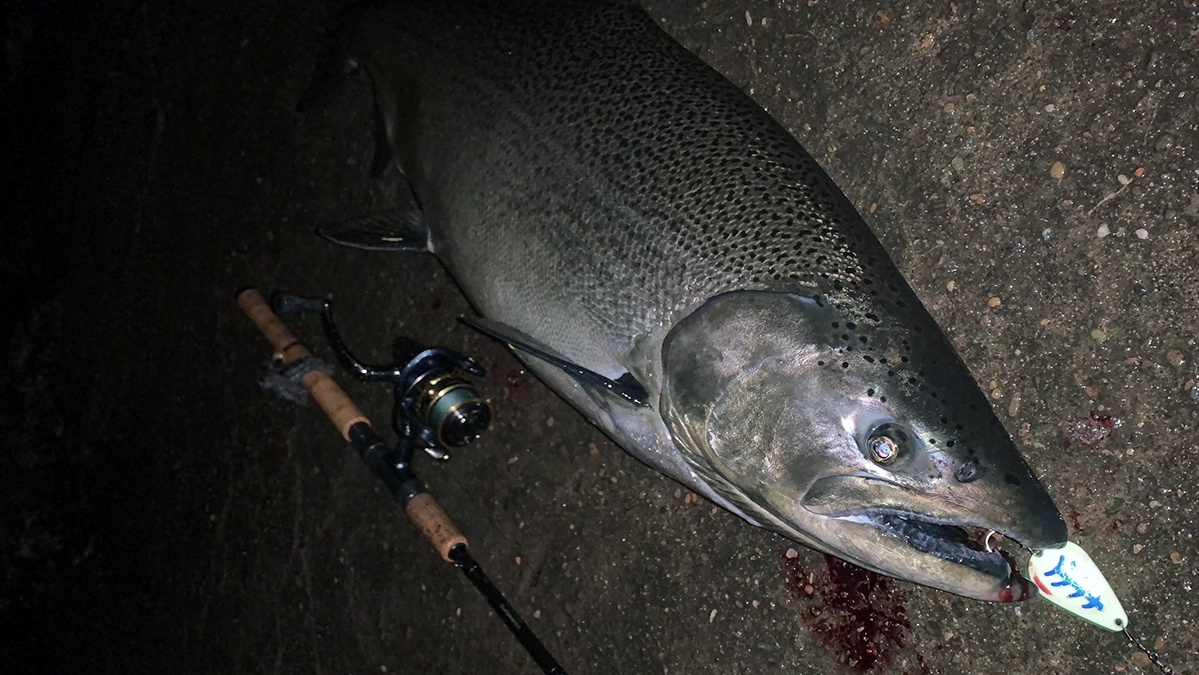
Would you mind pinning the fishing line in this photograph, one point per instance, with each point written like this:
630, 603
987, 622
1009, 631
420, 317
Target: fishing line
1152, 655
421, 389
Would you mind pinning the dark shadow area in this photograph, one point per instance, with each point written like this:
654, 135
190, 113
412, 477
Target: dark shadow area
55, 499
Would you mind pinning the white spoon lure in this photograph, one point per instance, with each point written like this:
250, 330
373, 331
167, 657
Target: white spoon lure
1067, 577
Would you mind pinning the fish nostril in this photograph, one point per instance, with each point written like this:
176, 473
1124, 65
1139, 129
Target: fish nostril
966, 473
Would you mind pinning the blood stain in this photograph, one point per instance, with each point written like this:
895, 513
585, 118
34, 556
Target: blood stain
1073, 519
1114, 526
1088, 432
514, 382
1019, 589
856, 612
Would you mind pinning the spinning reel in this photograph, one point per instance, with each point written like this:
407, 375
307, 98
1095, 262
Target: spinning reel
436, 406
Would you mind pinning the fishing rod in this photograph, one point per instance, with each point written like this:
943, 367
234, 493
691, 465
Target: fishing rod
436, 408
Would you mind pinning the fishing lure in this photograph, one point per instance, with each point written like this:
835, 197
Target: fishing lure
1067, 577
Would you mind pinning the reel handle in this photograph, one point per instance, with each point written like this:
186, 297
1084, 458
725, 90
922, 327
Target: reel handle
340, 410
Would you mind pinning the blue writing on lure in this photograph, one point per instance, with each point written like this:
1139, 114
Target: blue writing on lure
1093, 601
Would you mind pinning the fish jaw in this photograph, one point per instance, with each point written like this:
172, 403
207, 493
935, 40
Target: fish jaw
919, 551
751, 400
886, 527
910, 513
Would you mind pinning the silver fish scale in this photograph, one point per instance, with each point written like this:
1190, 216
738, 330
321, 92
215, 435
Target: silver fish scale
683, 188
625, 183
742, 204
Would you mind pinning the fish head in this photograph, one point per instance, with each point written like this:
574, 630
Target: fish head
856, 429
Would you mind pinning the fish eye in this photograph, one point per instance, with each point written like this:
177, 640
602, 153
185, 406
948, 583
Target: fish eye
887, 444
883, 449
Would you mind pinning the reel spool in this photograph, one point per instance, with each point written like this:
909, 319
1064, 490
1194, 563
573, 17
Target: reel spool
437, 406
450, 406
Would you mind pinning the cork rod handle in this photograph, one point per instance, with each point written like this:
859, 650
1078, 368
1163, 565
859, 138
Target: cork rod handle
426, 514
340, 410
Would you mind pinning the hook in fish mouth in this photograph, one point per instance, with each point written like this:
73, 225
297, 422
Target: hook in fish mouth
958, 544
947, 542
919, 535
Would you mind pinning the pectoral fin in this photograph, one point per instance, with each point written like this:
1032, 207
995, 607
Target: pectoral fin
626, 386
395, 230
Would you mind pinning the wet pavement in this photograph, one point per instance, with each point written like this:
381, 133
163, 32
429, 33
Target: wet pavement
1033, 168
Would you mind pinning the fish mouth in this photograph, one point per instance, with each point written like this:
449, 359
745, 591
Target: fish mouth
923, 538
957, 558
951, 543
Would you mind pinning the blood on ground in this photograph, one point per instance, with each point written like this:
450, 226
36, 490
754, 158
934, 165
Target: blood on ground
856, 612
1074, 518
516, 380
1088, 432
